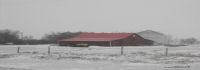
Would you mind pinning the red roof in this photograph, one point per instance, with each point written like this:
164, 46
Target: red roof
99, 37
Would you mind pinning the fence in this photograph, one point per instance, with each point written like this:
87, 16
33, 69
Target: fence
97, 50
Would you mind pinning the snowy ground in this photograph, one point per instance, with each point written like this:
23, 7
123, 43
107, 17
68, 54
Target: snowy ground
35, 57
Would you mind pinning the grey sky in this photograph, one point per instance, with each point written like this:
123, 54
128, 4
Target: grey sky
179, 18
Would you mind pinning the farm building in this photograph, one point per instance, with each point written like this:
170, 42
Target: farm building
106, 39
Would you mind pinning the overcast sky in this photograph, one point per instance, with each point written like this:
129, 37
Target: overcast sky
179, 18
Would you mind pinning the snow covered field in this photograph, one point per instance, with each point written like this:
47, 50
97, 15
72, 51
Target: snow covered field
35, 57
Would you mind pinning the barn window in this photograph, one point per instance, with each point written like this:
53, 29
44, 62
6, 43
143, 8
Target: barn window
134, 35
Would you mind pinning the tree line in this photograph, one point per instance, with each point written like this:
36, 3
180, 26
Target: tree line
16, 37
10, 36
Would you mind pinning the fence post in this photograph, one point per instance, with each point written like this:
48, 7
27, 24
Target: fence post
49, 49
122, 50
18, 49
166, 52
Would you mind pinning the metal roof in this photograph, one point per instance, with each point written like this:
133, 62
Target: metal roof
99, 37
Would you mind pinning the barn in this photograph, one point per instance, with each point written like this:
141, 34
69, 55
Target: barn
106, 39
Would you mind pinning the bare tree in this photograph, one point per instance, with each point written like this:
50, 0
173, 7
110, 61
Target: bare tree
55, 36
189, 41
9, 36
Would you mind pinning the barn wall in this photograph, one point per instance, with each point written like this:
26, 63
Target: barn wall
139, 41
132, 41
128, 41
91, 43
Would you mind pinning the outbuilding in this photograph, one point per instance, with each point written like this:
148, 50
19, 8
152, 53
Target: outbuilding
106, 39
